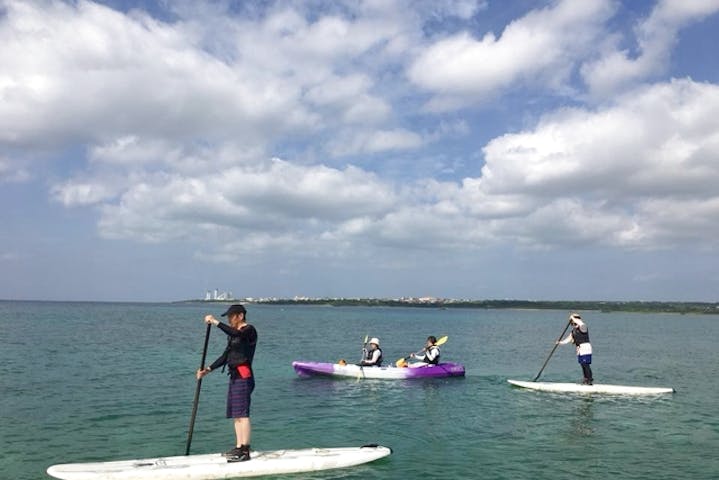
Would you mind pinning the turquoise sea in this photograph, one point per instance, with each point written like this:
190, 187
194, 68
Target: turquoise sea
104, 381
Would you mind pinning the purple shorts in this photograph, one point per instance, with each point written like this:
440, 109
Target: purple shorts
238, 397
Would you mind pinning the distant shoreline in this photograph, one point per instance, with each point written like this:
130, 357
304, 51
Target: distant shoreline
711, 308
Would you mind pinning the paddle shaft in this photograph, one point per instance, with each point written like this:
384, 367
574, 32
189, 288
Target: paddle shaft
197, 392
556, 344
364, 346
360, 374
420, 352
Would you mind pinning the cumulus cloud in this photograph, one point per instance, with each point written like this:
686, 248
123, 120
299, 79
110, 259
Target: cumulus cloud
79, 73
353, 142
89, 74
609, 176
638, 174
74, 193
273, 198
543, 45
655, 37
132, 150
180, 124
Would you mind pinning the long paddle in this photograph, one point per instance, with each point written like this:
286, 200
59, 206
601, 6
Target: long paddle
556, 344
197, 392
441, 341
364, 346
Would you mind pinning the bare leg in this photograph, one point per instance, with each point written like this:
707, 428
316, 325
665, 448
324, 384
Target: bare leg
241, 452
243, 430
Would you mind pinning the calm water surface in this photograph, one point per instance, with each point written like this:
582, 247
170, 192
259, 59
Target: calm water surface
95, 382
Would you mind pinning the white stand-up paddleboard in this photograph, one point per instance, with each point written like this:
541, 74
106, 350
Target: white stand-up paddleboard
214, 466
596, 388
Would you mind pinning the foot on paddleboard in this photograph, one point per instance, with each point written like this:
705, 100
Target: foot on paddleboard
239, 454
233, 452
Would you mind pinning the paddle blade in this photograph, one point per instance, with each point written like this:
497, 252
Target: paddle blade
442, 340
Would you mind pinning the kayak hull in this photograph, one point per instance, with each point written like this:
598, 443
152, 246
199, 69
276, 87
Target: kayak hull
309, 369
596, 388
215, 466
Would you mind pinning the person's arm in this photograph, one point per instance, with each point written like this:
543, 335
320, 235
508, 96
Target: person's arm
565, 340
431, 353
221, 360
421, 355
211, 320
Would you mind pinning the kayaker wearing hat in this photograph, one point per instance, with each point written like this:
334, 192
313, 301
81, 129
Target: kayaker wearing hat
238, 355
373, 355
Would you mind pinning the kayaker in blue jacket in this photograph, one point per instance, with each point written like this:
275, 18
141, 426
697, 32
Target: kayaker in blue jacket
580, 337
372, 356
429, 354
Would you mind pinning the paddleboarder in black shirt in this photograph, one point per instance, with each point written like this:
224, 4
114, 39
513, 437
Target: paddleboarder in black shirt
241, 343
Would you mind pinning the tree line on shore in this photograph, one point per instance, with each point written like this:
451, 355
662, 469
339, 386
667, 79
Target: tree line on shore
604, 306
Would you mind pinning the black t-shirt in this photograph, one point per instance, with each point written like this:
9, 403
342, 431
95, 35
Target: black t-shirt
240, 348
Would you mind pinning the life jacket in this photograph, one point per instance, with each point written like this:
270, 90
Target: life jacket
434, 361
580, 337
241, 351
370, 353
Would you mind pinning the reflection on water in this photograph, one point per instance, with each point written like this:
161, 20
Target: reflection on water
583, 418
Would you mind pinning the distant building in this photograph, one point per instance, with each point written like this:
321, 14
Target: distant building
218, 295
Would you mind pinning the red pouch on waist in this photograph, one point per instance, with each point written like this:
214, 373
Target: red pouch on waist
244, 371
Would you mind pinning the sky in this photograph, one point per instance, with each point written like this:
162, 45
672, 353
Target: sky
492, 149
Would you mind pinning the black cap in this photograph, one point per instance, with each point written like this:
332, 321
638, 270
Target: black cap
235, 309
